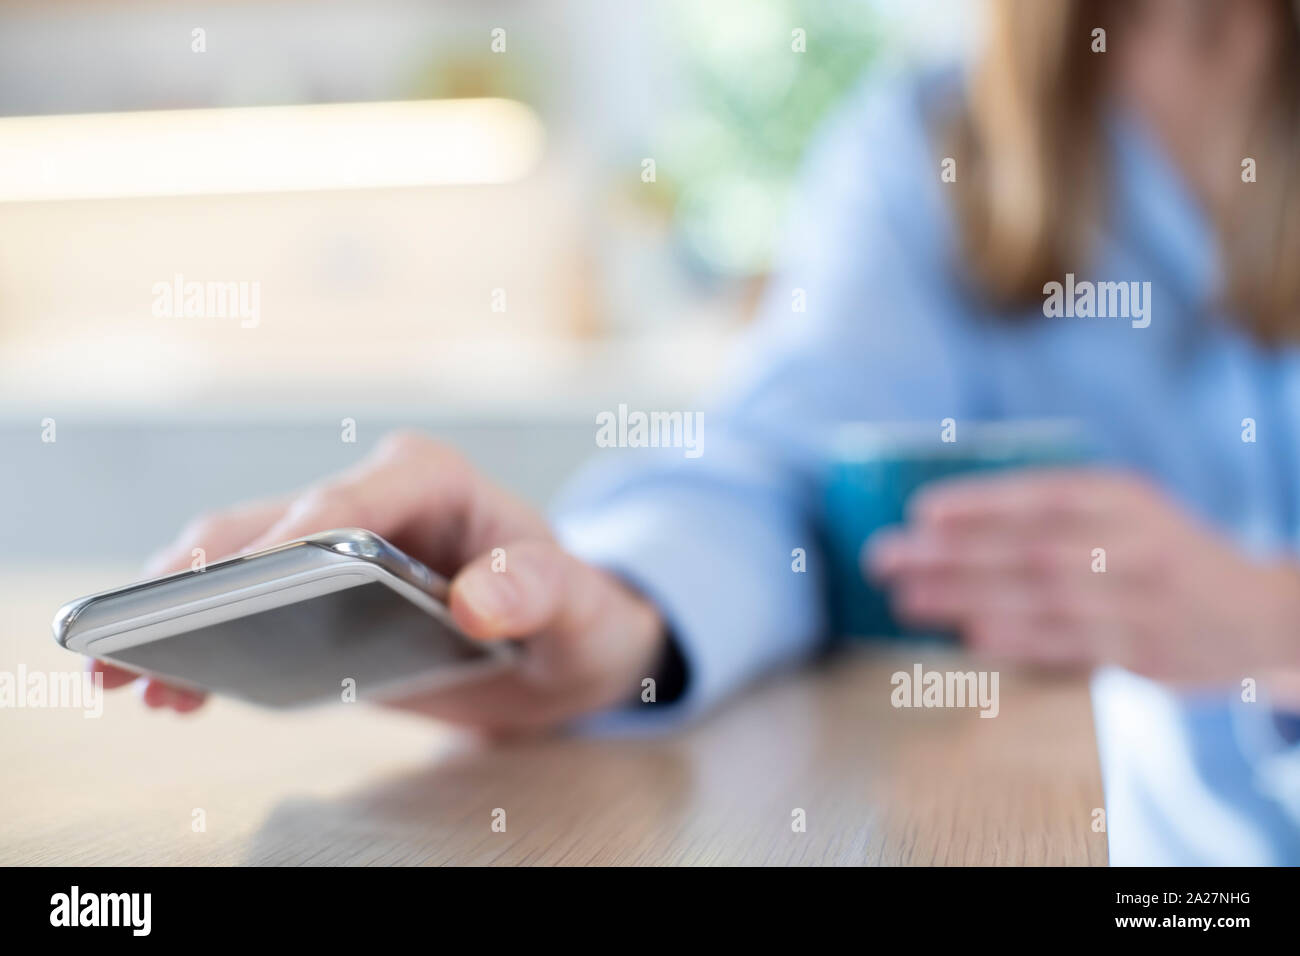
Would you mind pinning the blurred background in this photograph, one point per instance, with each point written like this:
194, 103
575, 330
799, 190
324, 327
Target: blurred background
445, 207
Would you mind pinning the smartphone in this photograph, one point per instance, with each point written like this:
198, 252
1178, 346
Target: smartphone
288, 626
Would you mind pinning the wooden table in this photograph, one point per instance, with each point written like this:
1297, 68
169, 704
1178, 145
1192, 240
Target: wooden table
355, 785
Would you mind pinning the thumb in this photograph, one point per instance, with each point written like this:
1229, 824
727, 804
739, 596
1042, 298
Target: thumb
513, 591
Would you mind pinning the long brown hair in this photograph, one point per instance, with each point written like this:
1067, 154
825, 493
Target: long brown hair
1032, 168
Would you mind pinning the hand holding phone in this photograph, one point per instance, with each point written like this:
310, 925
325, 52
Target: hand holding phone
333, 616
585, 639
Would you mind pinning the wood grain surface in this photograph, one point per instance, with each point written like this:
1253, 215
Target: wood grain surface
351, 784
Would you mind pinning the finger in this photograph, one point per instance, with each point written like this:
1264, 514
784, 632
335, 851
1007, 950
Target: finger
952, 601
159, 695
980, 552
114, 676
182, 699
1080, 629
153, 692
882, 552
582, 624
408, 487
1022, 501
185, 701
1067, 567
514, 591
953, 598
219, 535
533, 589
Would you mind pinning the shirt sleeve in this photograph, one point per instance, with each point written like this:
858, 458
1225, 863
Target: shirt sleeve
857, 324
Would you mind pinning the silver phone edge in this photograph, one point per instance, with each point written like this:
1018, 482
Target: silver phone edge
350, 542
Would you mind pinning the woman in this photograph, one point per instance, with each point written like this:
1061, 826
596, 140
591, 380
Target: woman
1151, 142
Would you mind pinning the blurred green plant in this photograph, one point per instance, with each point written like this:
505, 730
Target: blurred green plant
752, 103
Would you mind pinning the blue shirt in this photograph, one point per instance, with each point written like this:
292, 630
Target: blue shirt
894, 331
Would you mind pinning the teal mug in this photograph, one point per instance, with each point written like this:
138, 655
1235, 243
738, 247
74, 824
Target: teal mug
874, 470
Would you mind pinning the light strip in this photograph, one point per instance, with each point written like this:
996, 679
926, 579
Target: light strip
267, 149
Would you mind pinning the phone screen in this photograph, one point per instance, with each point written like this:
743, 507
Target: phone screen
304, 652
